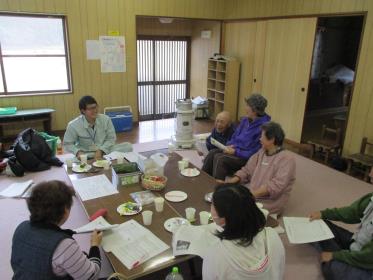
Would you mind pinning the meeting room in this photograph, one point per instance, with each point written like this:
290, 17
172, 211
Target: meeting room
188, 139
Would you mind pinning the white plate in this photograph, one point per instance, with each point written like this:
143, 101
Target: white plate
173, 224
101, 163
176, 196
190, 172
76, 168
125, 209
208, 197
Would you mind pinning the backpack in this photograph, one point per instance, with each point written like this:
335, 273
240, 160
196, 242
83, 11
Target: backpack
32, 151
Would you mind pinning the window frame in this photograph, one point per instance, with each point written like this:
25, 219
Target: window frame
66, 55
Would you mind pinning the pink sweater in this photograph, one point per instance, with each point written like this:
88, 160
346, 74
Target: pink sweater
276, 173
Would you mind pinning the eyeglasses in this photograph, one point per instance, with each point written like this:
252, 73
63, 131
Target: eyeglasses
91, 108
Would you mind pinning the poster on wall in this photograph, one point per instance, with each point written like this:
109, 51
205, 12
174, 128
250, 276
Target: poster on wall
112, 52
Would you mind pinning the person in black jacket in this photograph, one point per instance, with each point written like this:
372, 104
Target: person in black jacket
222, 131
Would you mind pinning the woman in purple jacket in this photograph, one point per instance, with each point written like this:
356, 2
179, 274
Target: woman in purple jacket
243, 144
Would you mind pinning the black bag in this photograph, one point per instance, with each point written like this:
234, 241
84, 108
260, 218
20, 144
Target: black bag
33, 152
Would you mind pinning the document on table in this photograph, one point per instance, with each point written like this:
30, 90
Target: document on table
301, 230
99, 224
133, 157
94, 187
217, 144
194, 240
16, 189
114, 155
132, 243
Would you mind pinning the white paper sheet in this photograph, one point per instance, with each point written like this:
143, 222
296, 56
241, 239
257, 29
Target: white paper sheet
93, 49
133, 157
94, 187
98, 224
301, 230
132, 243
217, 144
194, 240
16, 189
112, 52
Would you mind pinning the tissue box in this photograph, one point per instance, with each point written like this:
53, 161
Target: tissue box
125, 174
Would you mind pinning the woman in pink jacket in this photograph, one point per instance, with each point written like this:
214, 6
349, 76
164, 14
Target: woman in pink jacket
270, 173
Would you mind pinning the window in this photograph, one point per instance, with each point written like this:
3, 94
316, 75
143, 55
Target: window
34, 55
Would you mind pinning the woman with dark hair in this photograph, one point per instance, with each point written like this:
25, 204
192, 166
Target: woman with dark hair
246, 248
243, 143
41, 249
270, 172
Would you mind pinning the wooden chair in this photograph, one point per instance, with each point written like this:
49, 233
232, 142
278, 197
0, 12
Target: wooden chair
303, 149
365, 160
329, 143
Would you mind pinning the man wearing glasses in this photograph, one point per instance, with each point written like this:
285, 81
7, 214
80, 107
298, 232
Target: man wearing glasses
91, 133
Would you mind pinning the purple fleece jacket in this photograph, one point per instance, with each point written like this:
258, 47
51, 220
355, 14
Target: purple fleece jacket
246, 137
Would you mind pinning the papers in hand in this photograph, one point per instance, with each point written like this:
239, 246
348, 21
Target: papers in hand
132, 243
99, 224
194, 240
301, 230
16, 189
94, 187
217, 144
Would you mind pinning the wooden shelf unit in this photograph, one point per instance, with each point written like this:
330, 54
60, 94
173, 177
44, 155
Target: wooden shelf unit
222, 86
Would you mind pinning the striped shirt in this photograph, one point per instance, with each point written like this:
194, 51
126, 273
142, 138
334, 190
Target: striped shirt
69, 259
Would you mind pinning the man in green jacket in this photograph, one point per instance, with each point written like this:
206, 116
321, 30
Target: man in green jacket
348, 255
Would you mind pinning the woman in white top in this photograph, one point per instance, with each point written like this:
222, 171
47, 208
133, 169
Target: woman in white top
247, 249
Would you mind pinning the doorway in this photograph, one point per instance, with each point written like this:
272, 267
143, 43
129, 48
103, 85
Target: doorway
162, 75
332, 77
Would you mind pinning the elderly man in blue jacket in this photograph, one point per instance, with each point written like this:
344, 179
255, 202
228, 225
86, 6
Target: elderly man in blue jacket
243, 144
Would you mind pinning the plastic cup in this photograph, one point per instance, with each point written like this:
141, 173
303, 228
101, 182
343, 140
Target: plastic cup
190, 214
159, 202
204, 217
69, 162
106, 165
120, 159
84, 158
147, 217
171, 148
181, 165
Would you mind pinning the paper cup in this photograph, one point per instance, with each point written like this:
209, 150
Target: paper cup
84, 158
190, 214
120, 159
181, 165
69, 162
204, 217
147, 217
107, 165
159, 202
186, 162
171, 148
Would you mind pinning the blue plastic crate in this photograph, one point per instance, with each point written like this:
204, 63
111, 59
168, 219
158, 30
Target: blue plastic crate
121, 118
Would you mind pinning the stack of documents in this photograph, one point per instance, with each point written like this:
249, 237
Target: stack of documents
16, 189
132, 243
94, 187
301, 230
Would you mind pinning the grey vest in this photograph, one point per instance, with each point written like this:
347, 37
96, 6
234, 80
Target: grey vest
32, 251
365, 231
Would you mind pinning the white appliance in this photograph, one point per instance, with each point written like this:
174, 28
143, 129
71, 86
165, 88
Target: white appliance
183, 137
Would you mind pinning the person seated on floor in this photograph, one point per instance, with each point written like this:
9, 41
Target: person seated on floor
92, 133
270, 172
246, 249
223, 130
348, 255
243, 144
41, 249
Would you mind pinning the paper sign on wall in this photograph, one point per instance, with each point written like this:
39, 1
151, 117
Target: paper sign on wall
112, 53
93, 49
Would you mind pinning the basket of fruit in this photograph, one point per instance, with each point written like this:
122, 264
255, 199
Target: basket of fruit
153, 182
